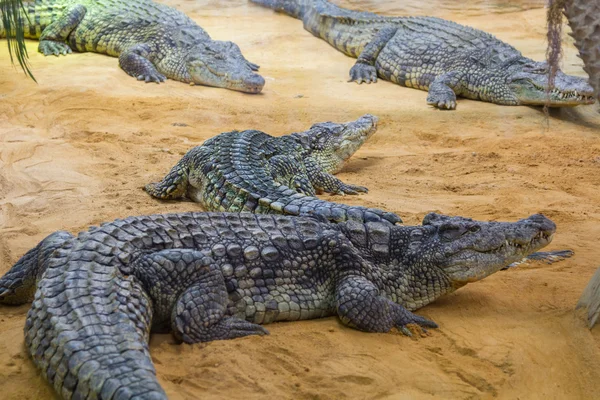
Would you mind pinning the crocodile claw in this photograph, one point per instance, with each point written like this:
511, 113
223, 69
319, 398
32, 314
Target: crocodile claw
406, 317
442, 97
352, 189
51, 48
153, 77
360, 73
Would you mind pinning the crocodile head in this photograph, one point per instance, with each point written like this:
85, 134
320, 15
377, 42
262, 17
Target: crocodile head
528, 83
418, 264
221, 64
467, 251
331, 144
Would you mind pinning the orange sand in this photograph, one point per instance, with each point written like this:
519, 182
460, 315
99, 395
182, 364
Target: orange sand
76, 149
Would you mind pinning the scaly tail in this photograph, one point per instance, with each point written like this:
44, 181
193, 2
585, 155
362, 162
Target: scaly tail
291, 203
18, 285
292, 8
88, 327
590, 299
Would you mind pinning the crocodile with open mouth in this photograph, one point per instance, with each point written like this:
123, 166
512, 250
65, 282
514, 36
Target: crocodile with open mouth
445, 58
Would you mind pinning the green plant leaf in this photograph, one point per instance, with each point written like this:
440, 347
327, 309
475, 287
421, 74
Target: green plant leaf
12, 14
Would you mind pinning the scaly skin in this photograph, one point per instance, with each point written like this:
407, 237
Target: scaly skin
153, 41
210, 276
252, 171
584, 20
426, 53
590, 299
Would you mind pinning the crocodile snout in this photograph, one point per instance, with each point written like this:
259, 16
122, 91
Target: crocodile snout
539, 221
253, 84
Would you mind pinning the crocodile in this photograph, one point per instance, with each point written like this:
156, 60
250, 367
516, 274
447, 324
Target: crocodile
445, 58
253, 171
213, 276
152, 41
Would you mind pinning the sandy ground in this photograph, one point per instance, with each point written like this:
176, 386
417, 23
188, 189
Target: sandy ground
77, 148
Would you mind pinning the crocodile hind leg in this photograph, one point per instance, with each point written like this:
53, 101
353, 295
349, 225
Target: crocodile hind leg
360, 306
188, 290
52, 39
135, 62
177, 182
364, 70
174, 185
199, 315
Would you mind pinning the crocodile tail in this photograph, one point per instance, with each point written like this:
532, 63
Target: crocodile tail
18, 285
292, 8
291, 203
88, 327
590, 299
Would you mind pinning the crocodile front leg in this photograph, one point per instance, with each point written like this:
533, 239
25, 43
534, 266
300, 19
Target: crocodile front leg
442, 91
328, 183
52, 39
364, 69
135, 61
360, 306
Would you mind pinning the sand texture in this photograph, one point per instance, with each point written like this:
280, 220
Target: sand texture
77, 148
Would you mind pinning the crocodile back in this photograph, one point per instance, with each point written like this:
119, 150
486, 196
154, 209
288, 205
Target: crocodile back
350, 31
41, 13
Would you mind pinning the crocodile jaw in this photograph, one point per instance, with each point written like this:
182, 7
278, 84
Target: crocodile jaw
221, 64
530, 87
500, 245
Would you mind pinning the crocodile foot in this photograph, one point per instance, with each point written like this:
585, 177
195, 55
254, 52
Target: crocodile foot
360, 73
442, 98
51, 48
352, 189
152, 77
225, 329
405, 317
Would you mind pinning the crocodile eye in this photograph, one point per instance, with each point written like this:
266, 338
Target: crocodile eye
474, 228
